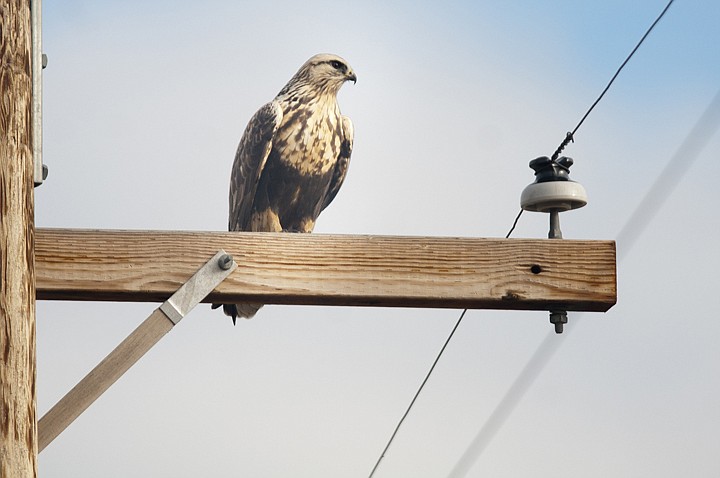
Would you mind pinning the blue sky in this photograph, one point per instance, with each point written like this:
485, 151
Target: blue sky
144, 106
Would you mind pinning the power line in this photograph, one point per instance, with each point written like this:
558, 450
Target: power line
529, 373
514, 225
697, 139
663, 187
571, 135
422, 385
392, 437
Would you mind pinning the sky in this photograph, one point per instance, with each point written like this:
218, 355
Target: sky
144, 104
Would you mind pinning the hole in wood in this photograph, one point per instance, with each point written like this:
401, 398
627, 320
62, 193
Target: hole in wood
535, 269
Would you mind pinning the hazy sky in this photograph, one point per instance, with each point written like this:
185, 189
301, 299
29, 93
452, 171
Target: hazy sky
144, 105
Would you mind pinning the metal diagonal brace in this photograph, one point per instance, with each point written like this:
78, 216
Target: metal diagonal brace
125, 355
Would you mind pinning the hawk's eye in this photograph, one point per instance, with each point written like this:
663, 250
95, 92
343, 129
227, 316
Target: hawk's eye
338, 65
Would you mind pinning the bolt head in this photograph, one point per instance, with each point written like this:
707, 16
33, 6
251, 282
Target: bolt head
225, 262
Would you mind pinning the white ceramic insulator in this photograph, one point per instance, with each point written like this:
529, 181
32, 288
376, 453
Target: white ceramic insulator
553, 195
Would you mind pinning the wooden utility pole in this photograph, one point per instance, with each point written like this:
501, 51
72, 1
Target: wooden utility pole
18, 423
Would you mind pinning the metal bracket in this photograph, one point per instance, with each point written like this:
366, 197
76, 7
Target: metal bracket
39, 62
198, 286
130, 350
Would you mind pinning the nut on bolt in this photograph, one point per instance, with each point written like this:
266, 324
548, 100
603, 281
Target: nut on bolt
558, 318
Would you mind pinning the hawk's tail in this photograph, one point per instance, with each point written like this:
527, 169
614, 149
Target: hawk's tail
246, 311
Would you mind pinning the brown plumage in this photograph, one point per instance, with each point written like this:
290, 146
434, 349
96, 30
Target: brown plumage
293, 157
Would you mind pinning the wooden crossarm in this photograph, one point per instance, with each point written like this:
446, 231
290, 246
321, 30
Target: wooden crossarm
341, 270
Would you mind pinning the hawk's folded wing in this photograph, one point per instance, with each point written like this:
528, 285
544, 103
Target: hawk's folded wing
250, 158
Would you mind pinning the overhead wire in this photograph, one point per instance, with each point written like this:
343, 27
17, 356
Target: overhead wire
668, 179
514, 224
412, 402
542, 354
422, 385
666, 182
570, 136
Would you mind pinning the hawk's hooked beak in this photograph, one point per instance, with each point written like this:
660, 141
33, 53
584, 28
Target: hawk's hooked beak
351, 77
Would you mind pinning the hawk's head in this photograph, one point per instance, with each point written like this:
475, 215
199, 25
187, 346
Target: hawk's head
323, 73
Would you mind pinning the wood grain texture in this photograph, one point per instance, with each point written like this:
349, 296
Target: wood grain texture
102, 377
18, 428
276, 268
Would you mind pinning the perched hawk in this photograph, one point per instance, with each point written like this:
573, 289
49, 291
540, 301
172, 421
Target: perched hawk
292, 158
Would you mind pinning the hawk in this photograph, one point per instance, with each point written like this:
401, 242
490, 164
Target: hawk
292, 158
